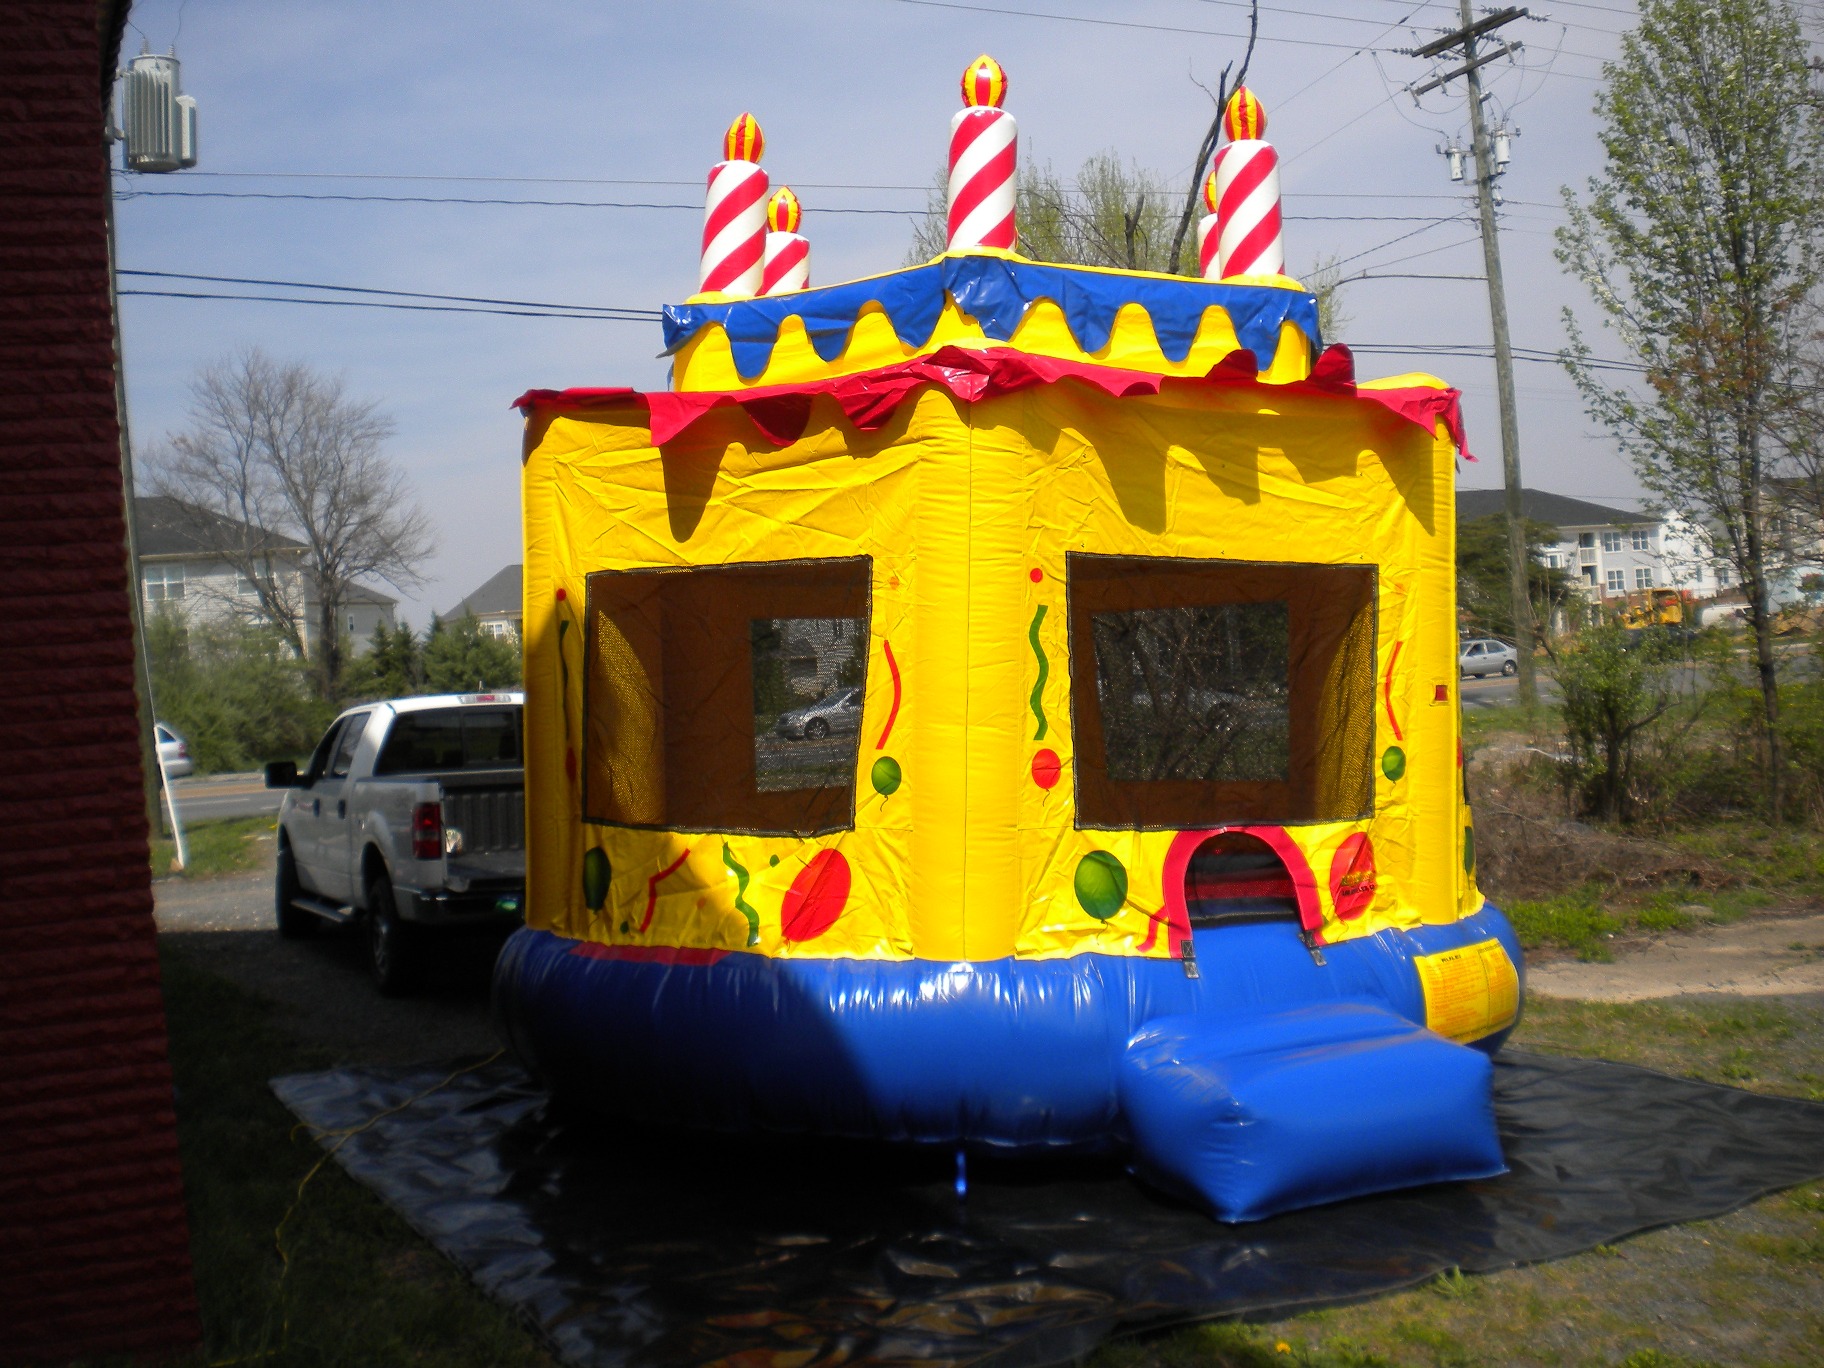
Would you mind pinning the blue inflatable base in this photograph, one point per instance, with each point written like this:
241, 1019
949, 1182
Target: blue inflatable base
1013, 1054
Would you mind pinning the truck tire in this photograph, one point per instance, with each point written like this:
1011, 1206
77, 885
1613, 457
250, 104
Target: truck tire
294, 922
391, 953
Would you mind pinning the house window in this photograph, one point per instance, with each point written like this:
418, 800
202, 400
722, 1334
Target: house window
1641, 539
1617, 582
726, 698
1611, 541
1554, 561
164, 583
1586, 539
1205, 692
1643, 578
1724, 576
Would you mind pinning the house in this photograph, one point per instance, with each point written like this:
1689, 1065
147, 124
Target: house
1610, 552
182, 569
497, 606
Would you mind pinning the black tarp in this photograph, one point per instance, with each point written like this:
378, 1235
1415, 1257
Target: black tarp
628, 1246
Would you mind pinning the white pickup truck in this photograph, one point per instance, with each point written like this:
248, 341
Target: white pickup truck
410, 816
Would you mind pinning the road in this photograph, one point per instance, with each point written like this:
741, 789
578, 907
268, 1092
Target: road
208, 798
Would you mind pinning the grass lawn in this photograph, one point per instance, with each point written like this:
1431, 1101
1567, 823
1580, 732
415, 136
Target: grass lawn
1748, 1288
360, 1287
225, 847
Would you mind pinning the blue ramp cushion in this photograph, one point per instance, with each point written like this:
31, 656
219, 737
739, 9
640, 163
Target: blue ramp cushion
1258, 1115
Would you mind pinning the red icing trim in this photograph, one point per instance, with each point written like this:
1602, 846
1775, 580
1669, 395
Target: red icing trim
654, 954
868, 400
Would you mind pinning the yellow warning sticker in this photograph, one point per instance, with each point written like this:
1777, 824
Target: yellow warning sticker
1471, 992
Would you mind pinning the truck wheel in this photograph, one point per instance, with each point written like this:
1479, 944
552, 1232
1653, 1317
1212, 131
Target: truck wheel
390, 952
1510, 668
294, 922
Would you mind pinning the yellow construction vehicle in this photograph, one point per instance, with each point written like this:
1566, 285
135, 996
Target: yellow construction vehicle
1654, 608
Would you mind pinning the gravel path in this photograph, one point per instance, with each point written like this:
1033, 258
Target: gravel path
225, 925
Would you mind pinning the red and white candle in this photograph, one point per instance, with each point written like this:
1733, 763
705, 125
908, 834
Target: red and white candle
1250, 237
1207, 236
787, 262
734, 215
984, 157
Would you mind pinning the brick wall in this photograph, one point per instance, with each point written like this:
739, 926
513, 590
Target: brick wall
94, 1246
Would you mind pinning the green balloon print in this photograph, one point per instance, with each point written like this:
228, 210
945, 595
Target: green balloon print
886, 776
1101, 884
1393, 762
596, 874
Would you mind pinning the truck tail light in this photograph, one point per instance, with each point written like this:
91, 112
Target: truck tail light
427, 831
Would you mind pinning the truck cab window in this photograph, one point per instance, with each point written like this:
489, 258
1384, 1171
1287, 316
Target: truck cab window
345, 748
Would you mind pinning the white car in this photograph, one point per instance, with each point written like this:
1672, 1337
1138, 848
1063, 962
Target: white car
1480, 656
173, 754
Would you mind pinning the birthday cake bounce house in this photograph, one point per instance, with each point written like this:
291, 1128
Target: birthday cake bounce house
1013, 707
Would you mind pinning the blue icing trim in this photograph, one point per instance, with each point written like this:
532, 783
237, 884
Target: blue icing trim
997, 292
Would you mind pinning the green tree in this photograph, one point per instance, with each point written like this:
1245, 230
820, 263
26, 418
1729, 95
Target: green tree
1700, 244
1615, 685
461, 658
393, 666
1484, 592
233, 690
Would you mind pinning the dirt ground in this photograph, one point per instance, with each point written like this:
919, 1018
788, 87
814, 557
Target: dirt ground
225, 925
1769, 955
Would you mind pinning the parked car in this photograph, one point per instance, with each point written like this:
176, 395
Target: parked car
409, 819
838, 712
173, 754
1480, 656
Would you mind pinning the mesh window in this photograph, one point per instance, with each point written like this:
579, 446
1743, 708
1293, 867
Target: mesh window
1207, 692
726, 698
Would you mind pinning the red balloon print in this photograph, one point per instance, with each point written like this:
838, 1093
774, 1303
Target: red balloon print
816, 897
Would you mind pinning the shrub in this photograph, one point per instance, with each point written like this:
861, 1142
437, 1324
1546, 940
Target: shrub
233, 690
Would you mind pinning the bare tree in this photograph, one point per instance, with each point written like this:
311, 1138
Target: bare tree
1212, 135
276, 450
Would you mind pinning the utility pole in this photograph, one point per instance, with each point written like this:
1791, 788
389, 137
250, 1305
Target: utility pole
1465, 39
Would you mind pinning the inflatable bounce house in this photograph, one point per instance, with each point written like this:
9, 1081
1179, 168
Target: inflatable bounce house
1009, 706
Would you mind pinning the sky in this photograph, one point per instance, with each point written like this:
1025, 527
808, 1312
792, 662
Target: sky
324, 128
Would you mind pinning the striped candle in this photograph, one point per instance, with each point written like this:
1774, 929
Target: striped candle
984, 155
734, 215
1207, 236
1245, 181
787, 263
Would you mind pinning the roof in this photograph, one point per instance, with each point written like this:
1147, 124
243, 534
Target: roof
1542, 506
361, 593
501, 594
164, 526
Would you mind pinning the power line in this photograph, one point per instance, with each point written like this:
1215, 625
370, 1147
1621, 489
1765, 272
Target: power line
1125, 24
640, 315
458, 199
379, 304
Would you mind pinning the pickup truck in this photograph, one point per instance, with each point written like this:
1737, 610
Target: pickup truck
409, 818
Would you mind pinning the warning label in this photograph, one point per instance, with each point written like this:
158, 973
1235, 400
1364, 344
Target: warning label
1469, 993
